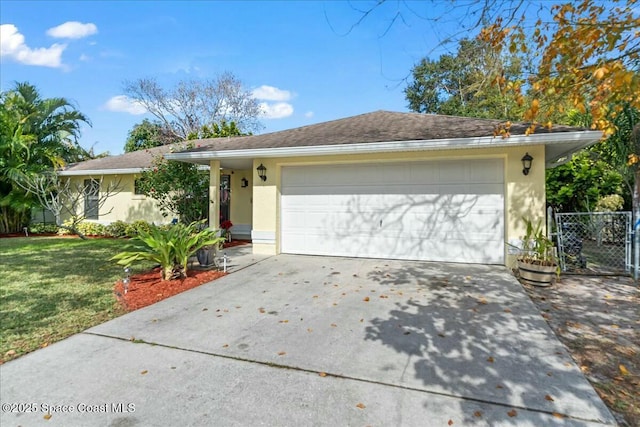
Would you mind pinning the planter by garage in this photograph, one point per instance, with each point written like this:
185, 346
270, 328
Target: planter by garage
537, 274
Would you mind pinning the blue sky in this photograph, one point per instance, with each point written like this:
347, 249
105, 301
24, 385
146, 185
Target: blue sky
299, 57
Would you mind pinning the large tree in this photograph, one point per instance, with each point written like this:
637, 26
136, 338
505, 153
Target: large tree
192, 104
36, 135
148, 134
460, 84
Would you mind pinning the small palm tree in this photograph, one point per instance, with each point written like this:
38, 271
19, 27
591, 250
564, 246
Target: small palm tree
170, 247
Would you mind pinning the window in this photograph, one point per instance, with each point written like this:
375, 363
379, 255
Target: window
91, 198
137, 189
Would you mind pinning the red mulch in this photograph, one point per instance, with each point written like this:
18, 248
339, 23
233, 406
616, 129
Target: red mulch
147, 288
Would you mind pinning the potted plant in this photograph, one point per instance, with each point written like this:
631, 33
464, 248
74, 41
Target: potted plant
225, 228
537, 262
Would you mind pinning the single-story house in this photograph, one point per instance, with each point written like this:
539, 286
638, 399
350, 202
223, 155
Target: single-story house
380, 185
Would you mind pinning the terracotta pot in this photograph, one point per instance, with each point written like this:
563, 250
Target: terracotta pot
537, 274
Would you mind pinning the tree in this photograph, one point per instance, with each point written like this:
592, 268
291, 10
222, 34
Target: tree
180, 188
60, 197
224, 129
588, 53
148, 134
460, 84
36, 135
192, 104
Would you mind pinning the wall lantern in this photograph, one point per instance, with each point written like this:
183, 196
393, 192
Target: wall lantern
262, 172
244, 183
526, 163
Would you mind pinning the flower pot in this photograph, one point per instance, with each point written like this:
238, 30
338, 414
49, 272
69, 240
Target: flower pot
206, 256
537, 274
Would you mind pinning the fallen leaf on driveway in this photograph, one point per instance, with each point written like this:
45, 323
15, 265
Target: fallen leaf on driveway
623, 370
512, 413
360, 405
490, 359
333, 325
225, 346
477, 414
283, 321
549, 398
144, 372
282, 353
365, 299
47, 417
262, 310
558, 415
450, 422
482, 300
323, 374
507, 310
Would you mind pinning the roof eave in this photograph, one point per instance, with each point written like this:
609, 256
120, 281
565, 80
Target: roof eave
579, 139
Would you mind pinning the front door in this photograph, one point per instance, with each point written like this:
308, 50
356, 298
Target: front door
225, 198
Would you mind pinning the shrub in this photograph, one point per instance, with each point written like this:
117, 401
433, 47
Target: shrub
41, 228
134, 229
84, 227
171, 247
117, 229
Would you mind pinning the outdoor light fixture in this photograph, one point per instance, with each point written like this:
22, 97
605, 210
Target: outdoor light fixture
526, 163
262, 172
244, 183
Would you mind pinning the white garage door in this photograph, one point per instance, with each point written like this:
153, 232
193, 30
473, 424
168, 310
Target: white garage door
435, 211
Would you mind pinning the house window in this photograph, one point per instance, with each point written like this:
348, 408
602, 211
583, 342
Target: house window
137, 188
91, 198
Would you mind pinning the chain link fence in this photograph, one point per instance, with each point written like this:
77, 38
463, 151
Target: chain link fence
595, 242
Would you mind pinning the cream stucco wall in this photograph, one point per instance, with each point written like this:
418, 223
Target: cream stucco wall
125, 205
524, 195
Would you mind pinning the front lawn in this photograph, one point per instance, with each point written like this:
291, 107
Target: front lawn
52, 287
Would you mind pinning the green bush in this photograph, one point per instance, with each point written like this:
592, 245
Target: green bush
41, 228
171, 247
134, 229
117, 229
84, 227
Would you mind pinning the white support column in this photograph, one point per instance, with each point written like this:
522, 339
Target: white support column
214, 194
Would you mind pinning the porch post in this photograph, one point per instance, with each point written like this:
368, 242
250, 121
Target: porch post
214, 194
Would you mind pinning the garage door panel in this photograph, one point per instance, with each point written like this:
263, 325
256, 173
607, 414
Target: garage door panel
426, 211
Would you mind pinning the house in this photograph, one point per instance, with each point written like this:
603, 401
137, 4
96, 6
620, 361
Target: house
396, 185
383, 185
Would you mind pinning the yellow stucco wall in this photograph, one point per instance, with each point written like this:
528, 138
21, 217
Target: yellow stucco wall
126, 205
524, 195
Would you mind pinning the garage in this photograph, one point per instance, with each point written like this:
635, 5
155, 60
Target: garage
440, 210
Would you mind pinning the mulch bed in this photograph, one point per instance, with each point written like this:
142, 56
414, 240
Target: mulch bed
148, 288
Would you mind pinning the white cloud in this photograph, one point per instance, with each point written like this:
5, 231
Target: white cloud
12, 45
270, 93
72, 30
84, 57
308, 114
278, 110
123, 104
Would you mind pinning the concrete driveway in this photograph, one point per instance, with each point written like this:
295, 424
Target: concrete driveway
296, 341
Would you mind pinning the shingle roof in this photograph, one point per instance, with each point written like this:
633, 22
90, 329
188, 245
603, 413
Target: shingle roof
378, 126
133, 160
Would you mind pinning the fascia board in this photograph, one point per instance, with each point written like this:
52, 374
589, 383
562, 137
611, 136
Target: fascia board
587, 137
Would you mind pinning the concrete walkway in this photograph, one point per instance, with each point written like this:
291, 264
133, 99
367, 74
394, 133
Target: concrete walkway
296, 341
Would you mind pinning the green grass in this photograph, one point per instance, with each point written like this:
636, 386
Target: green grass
51, 288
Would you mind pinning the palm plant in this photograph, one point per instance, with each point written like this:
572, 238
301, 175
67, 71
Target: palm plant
170, 247
36, 134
